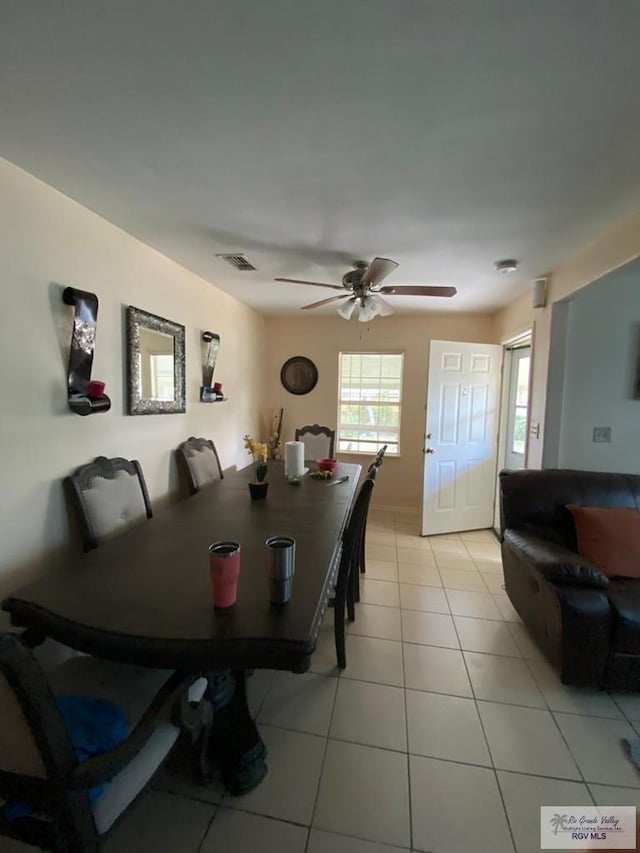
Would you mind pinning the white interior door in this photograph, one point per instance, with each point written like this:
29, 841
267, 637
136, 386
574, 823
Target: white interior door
461, 436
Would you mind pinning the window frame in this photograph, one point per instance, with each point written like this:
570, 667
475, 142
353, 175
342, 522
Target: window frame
398, 405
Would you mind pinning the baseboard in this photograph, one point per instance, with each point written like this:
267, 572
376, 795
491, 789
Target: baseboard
408, 511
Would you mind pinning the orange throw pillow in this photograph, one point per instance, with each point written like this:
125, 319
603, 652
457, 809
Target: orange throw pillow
609, 538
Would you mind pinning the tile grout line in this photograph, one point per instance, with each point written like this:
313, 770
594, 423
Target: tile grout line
487, 744
406, 729
635, 724
457, 761
561, 733
245, 810
208, 829
326, 746
264, 695
459, 696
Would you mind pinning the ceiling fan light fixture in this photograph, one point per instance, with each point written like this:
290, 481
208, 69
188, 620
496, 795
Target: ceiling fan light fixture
368, 310
347, 308
384, 309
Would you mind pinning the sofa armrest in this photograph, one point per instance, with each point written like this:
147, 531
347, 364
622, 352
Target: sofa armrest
556, 564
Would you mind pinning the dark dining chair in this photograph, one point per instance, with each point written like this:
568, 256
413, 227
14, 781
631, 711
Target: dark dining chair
318, 441
43, 782
378, 459
347, 574
375, 465
199, 461
108, 496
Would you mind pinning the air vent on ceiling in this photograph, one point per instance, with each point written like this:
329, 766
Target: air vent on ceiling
238, 262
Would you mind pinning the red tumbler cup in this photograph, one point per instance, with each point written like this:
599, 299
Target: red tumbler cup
224, 568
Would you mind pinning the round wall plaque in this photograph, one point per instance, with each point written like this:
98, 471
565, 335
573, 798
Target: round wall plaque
299, 375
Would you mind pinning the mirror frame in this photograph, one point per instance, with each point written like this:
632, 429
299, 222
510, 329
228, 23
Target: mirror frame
137, 405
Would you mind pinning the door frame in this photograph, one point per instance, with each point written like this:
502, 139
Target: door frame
525, 338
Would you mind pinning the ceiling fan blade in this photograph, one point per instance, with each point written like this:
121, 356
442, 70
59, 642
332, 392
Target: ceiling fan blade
325, 301
313, 283
417, 290
378, 269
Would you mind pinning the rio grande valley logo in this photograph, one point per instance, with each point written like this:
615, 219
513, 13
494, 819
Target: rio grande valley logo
571, 827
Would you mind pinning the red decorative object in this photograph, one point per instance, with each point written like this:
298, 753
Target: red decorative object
327, 464
95, 389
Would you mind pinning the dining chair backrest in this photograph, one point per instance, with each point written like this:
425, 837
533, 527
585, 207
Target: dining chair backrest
42, 780
378, 458
351, 539
358, 515
35, 749
318, 441
108, 495
199, 460
19, 752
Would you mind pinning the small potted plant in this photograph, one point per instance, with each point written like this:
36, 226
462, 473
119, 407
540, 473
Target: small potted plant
258, 451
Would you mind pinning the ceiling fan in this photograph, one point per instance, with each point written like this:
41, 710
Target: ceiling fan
364, 290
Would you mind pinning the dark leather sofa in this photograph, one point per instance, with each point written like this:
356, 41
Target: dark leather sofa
587, 624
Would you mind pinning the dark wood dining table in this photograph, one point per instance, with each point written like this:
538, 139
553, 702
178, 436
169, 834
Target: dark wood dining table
144, 596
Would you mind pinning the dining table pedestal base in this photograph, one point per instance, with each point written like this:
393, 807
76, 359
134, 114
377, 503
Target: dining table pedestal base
233, 749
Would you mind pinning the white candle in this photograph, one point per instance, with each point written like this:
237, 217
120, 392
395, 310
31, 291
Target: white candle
294, 459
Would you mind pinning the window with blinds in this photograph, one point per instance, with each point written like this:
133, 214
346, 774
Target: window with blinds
369, 402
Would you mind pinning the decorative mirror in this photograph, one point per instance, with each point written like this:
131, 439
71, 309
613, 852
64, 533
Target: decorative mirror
155, 364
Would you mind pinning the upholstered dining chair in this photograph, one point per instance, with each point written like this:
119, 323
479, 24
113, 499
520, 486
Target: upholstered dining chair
347, 574
44, 784
378, 459
375, 465
318, 441
199, 461
108, 495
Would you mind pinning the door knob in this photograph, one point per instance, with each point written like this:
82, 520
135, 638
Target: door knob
429, 450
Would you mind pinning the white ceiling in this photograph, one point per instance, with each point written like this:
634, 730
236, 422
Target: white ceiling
445, 134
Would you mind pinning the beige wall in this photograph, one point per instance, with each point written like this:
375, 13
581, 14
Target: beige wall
322, 339
48, 242
612, 250
515, 319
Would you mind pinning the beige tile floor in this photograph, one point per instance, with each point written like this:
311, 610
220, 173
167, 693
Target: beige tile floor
445, 734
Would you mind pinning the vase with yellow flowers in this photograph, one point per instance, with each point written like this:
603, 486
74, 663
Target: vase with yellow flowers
258, 451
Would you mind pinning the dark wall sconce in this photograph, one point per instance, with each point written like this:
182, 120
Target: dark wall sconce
210, 391
85, 397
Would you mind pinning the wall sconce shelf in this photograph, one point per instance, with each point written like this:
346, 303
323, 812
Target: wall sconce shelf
81, 393
208, 395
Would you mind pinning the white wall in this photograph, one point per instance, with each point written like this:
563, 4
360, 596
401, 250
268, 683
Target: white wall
602, 340
48, 242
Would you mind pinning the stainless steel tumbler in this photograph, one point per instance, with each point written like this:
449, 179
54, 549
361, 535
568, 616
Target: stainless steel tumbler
281, 559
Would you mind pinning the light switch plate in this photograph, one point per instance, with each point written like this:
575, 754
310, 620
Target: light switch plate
602, 435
